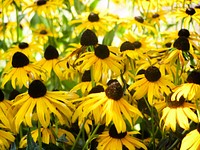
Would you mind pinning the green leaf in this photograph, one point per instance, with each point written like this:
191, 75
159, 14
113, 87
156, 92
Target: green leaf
62, 139
79, 6
108, 38
93, 5
13, 146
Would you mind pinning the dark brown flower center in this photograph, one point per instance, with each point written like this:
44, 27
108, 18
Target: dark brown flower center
169, 44
197, 6
114, 91
19, 60
152, 74
184, 32
23, 45
86, 76
43, 32
51, 53
137, 44
88, 38
13, 94
127, 46
37, 89
139, 19
97, 89
182, 43
175, 103
194, 77
93, 17
1, 95
41, 2
190, 11
198, 127
156, 15
114, 134
102, 51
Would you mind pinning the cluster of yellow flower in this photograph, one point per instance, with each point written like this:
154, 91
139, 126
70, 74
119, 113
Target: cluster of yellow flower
74, 75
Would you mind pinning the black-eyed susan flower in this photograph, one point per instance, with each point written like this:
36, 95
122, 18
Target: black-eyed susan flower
21, 72
100, 23
152, 83
187, 15
189, 90
111, 106
192, 140
114, 140
48, 136
101, 61
43, 103
46, 8
50, 61
178, 112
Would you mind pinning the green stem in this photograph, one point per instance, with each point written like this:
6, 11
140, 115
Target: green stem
79, 134
39, 136
91, 137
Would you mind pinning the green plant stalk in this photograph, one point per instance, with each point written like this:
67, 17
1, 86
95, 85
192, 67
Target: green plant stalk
79, 134
39, 136
91, 137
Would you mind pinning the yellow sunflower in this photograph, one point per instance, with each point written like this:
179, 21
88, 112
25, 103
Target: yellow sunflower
22, 72
110, 105
189, 90
111, 139
152, 83
100, 23
48, 136
192, 140
178, 112
50, 61
101, 61
43, 103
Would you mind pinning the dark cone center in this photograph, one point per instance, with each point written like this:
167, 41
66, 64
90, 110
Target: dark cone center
37, 89
190, 11
194, 77
51, 53
43, 32
86, 76
184, 32
88, 38
23, 45
19, 60
93, 17
102, 51
175, 104
127, 46
137, 44
156, 15
168, 45
139, 19
1, 95
152, 74
114, 91
97, 89
114, 134
41, 2
182, 43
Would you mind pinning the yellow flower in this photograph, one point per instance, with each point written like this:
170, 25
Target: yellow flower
6, 138
22, 72
113, 140
101, 61
152, 83
43, 103
109, 105
190, 90
48, 136
178, 112
191, 141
